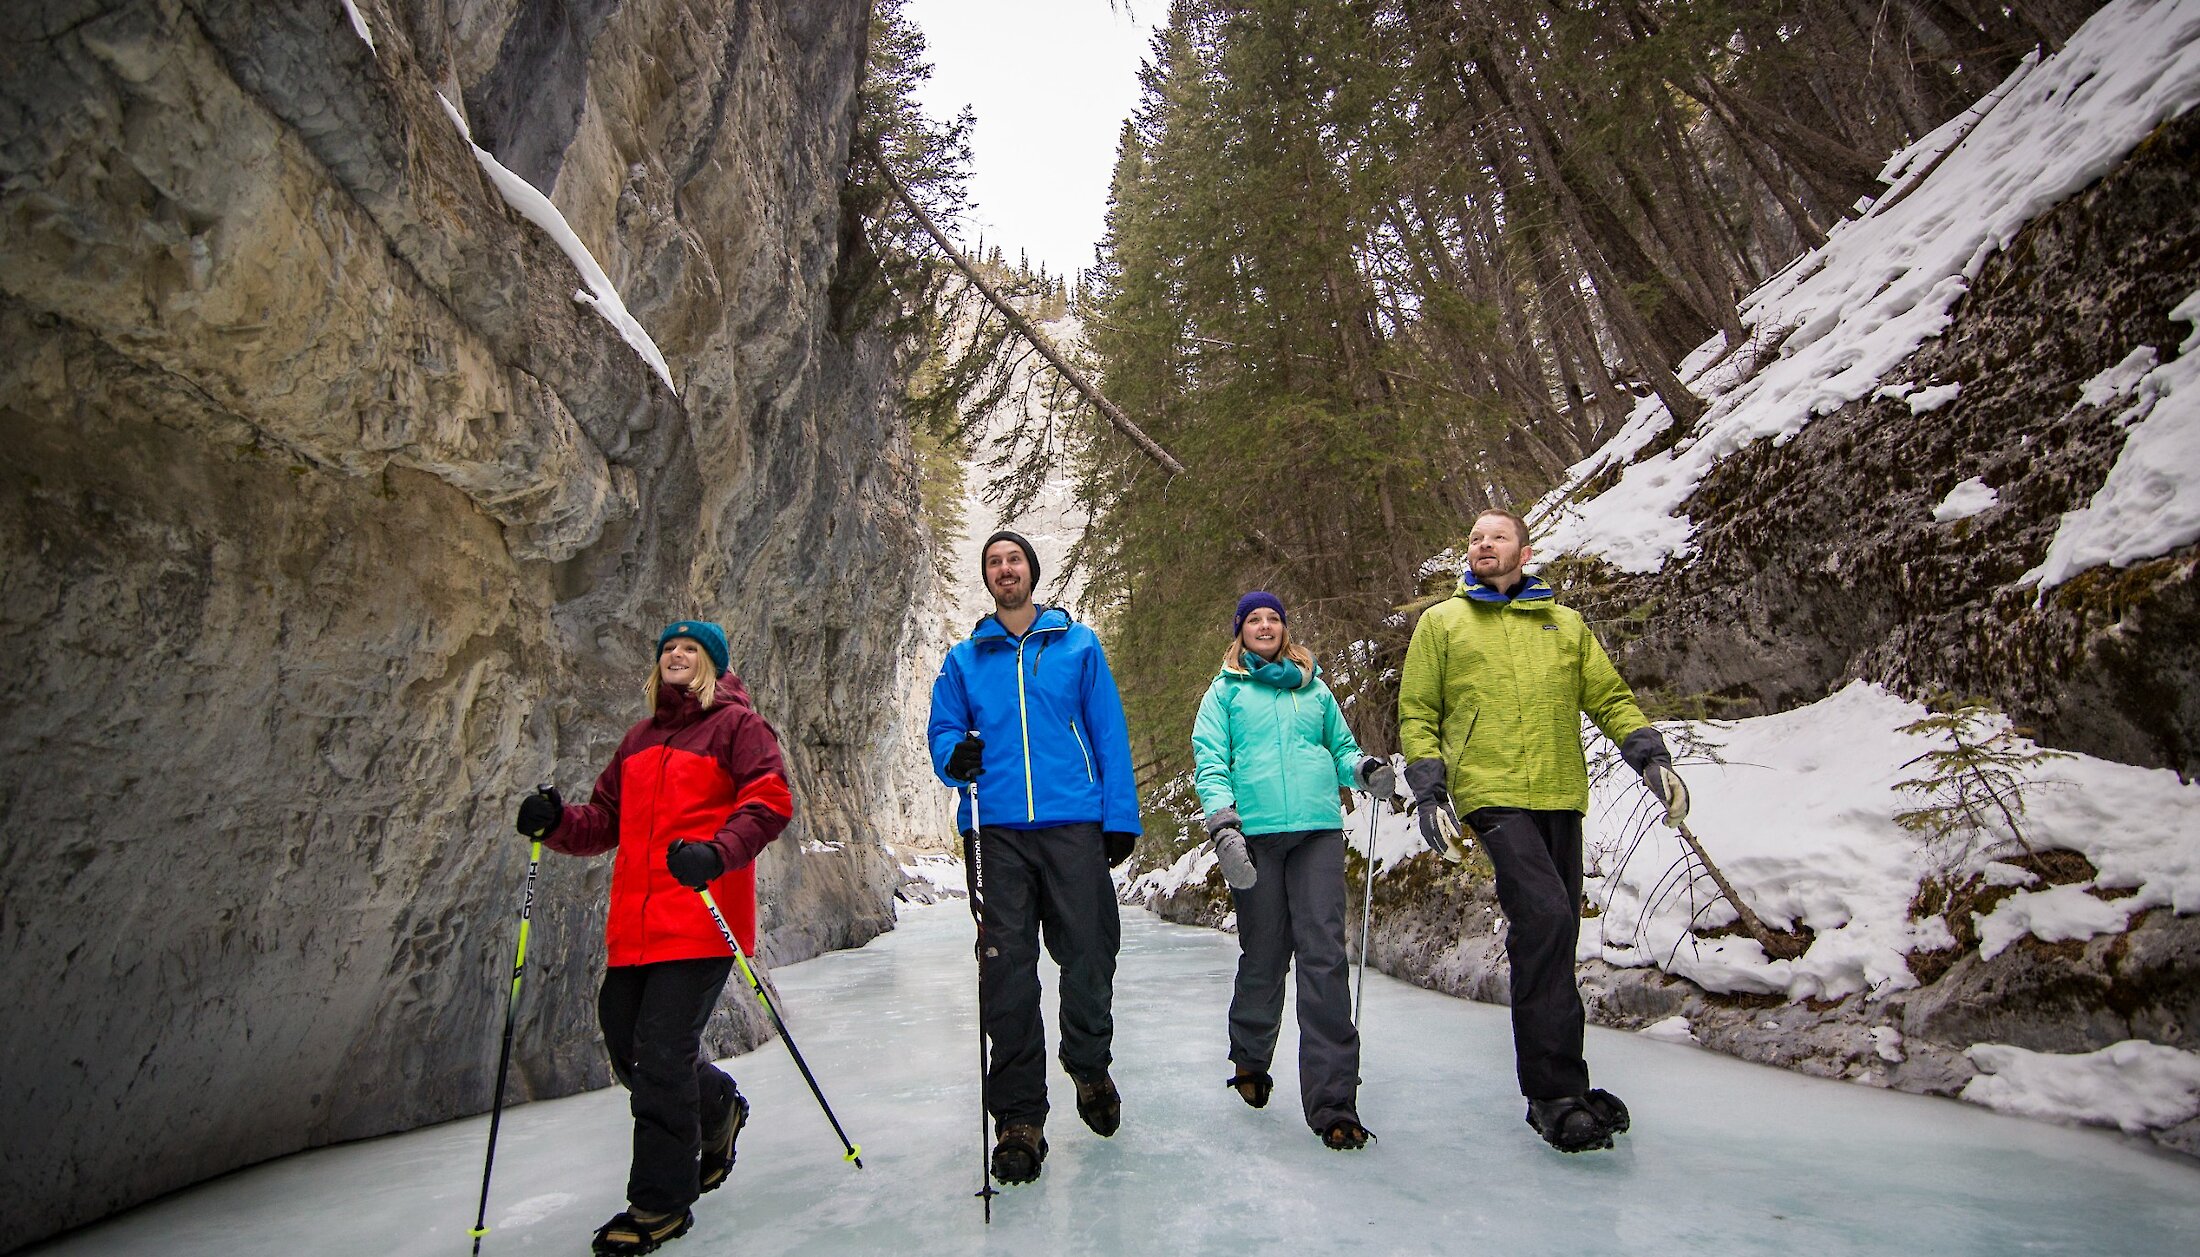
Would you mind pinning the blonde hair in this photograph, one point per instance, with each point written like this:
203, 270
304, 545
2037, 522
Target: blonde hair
704, 687
1233, 659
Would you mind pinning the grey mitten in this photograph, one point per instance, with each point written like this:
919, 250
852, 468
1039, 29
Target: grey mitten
1376, 776
1230, 849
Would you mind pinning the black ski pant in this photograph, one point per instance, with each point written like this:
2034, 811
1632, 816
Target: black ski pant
653, 1017
1538, 859
1055, 880
1295, 912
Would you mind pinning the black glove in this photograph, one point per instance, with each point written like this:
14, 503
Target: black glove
967, 760
1432, 808
1119, 846
694, 864
540, 813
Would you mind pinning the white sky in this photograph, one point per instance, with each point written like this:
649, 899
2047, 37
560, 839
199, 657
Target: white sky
1051, 82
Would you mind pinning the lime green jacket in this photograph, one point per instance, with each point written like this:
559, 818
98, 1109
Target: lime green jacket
1496, 688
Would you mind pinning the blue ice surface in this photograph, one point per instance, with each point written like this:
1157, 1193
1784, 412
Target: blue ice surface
1726, 1157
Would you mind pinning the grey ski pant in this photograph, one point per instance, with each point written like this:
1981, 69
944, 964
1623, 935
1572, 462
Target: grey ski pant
1295, 912
1055, 879
1538, 859
653, 1017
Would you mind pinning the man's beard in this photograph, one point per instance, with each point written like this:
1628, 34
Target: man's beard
1013, 599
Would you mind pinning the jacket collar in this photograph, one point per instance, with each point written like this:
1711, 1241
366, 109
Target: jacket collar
676, 706
1532, 591
1282, 674
1051, 620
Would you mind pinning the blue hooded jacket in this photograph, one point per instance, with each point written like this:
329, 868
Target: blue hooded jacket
1057, 750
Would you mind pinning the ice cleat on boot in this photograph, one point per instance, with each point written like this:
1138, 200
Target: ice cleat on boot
1578, 1123
1100, 1104
1253, 1086
1347, 1135
1018, 1153
637, 1231
717, 1161
1609, 1110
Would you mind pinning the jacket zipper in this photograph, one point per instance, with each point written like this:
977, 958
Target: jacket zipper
1023, 721
1080, 738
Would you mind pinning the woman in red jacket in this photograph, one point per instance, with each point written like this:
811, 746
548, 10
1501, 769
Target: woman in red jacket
690, 797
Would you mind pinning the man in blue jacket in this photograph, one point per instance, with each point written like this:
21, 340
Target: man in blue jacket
1027, 709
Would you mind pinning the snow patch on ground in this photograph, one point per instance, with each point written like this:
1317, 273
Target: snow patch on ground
2054, 915
1674, 1029
1190, 867
2150, 503
2121, 379
1972, 497
1800, 817
600, 295
2134, 1086
1926, 400
1826, 330
941, 873
1887, 1042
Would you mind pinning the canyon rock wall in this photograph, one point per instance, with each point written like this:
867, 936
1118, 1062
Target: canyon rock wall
335, 519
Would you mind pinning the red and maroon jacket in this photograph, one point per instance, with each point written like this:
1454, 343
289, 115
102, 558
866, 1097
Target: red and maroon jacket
685, 773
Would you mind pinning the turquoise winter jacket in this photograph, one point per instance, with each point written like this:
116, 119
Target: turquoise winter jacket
1276, 754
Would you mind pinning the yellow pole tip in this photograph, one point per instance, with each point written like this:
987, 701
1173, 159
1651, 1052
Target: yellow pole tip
477, 1232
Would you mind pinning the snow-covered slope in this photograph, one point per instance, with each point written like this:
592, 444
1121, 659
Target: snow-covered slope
1830, 328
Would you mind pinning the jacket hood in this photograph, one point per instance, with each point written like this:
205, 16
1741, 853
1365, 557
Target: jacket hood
990, 627
1532, 589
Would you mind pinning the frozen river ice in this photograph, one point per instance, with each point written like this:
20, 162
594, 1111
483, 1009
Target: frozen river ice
1726, 1157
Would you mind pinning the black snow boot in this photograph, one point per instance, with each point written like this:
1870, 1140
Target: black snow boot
717, 1160
1018, 1154
1100, 1104
640, 1232
1579, 1123
1253, 1086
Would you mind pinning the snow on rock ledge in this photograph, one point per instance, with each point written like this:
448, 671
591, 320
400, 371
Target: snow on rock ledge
2134, 1086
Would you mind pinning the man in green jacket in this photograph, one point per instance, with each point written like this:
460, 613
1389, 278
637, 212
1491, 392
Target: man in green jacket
1496, 681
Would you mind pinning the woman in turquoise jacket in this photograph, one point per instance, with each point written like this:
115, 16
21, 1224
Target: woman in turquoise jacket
1274, 759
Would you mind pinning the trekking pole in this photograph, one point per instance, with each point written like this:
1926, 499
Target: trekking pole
976, 859
504, 1055
1367, 911
854, 1152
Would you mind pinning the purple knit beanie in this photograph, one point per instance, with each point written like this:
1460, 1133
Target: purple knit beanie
1252, 602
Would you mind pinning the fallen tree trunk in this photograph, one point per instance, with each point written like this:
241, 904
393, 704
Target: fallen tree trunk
1024, 327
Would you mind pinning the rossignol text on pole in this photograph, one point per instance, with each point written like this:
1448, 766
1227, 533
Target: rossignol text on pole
851, 1151
976, 857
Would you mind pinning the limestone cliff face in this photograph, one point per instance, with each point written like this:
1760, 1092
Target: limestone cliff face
333, 522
